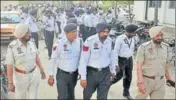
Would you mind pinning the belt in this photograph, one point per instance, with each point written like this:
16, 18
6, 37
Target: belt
60, 70
97, 69
24, 72
154, 77
124, 58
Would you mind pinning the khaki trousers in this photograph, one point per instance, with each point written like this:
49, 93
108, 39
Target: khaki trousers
26, 85
155, 88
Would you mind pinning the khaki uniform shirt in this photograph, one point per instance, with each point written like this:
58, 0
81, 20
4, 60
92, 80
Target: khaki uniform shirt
154, 58
23, 58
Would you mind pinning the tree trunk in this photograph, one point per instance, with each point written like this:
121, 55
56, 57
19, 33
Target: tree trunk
129, 5
116, 9
96, 3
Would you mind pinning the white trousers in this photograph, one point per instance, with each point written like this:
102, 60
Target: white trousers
26, 85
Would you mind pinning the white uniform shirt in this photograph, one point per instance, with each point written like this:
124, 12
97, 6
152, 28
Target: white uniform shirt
87, 20
24, 17
124, 47
67, 54
97, 55
109, 18
101, 18
63, 21
32, 23
95, 20
49, 24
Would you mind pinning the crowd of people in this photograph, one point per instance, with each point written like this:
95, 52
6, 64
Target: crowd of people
83, 48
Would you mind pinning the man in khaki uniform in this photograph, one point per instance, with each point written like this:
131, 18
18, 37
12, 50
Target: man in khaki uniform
152, 66
21, 59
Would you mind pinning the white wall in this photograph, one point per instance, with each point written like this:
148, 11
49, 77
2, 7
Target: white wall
165, 15
169, 17
139, 10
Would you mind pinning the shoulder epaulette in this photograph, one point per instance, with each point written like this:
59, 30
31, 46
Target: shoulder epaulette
146, 43
165, 44
13, 43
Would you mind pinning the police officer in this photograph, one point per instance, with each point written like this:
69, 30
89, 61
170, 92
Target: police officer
24, 15
32, 22
22, 57
97, 64
88, 23
152, 66
67, 51
50, 27
109, 17
124, 49
95, 21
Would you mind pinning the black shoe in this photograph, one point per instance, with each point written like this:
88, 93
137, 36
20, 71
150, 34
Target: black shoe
128, 97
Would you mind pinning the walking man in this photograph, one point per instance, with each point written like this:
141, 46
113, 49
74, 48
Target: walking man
50, 27
152, 66
22, 60
32, 22
124, 49
67, 51
97, 64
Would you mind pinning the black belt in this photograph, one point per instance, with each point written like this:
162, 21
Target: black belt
97, 69
60, 70
124, 58
153, 77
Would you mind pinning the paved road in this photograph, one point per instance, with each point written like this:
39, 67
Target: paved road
115, 92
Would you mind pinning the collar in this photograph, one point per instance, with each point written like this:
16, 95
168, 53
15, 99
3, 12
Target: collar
98, 40
20, 43
155, 46
67, 41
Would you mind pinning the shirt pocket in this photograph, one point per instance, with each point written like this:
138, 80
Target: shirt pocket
20, 58
95, 53
151, 57
65, 55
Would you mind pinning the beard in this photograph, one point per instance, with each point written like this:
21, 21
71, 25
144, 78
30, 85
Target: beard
103, 38
158, 41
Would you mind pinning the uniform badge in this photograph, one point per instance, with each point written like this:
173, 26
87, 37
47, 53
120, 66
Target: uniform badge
96, 46
19, 50
150, 50
85, 48
54, 48
125, 40
65, 47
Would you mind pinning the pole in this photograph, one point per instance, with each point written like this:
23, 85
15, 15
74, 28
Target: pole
175, 47
156, 13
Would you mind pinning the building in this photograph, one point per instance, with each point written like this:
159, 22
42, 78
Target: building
145, 10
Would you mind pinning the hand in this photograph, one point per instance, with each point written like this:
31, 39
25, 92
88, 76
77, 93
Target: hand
117, 69
51, 80
83, 83
142, 88
11, 87
43, 74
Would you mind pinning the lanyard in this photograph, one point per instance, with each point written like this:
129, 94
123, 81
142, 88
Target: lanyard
127, 42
